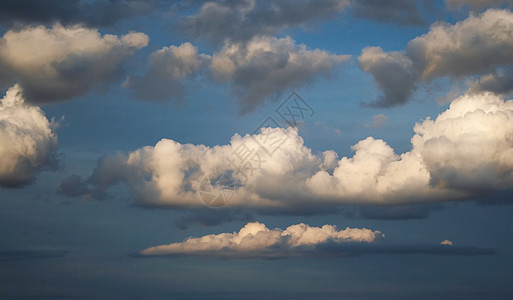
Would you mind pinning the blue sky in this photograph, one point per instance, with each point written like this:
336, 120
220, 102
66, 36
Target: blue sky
120, 122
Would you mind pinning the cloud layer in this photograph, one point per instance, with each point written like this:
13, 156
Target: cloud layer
477, 45
59, 63
464, 153
27, 141
255, 240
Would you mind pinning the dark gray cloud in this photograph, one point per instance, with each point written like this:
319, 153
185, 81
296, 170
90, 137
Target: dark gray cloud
217, 21
477, 5
499, 82
91, 13
475, 46
169, 68
402, 12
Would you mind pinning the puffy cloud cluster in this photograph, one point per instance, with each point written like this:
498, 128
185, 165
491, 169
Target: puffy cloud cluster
475, 46
467, 151
58, 63
257, 69
27, 142
256, 240
268, 66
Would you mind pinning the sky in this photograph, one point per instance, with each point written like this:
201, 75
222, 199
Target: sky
253, 149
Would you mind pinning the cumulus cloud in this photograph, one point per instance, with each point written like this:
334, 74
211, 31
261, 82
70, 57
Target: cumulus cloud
169, 67
477, 45
59, 63
256, 240
466, 152
446, 242
267, 66
71, 12
27, 141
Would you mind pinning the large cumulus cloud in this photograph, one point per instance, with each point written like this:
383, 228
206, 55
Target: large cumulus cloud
27, 141
476, 46
59, 63
464, 153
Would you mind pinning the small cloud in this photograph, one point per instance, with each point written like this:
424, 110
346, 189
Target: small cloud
378, 121
446, 242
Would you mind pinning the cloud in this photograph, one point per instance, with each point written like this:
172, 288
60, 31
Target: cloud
71, 12
446, 242
239, 21
477, 45
268, 66
378, 121
402, 12
257, 70
477, 5
169, 67
255, 240
27, 142
499, 82
59, 63
465, 153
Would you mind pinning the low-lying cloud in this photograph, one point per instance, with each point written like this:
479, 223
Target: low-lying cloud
255, 240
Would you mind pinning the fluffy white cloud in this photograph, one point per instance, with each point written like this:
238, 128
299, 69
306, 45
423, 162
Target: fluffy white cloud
58, 63
256, 240
27, 142
475, 46
465, 152
267, 66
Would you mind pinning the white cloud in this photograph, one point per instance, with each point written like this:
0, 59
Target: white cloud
256, 240
477, 45
59, 63
464, 153
27, 142
446, 242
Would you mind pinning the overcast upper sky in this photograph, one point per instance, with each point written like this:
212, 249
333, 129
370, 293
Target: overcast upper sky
254, 149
